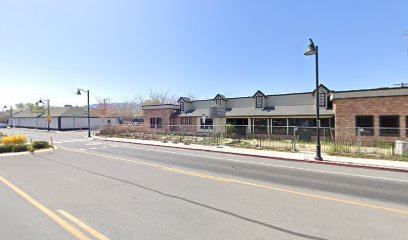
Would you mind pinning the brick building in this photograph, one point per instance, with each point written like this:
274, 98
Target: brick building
368, 114
374, 114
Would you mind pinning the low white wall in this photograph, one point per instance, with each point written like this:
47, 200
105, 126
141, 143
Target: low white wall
66, 123
70, 123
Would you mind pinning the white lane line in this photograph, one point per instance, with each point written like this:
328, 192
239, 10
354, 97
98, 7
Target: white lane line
276, 165
81, 149
93, 144
104, 147
77, 140
57, 142
93, 148
67, 141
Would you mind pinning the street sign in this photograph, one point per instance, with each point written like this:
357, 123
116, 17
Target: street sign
49, 118
217, 112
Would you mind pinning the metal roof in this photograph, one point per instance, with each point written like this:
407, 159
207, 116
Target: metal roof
161, 106
377, 92
56, 112
298, 110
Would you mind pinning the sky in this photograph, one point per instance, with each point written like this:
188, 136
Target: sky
123, 48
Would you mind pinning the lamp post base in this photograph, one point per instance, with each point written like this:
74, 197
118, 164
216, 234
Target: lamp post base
318, 152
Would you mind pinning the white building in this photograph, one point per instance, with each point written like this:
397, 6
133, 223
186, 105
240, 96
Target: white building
62, 118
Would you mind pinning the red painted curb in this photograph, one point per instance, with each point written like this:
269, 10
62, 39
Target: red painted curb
394, 169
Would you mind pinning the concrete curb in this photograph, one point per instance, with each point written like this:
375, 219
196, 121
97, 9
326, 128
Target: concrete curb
343, 164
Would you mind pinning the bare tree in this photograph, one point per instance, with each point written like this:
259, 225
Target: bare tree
191, 96
129, 108
158, 97
4, 117
161, 97
24, 106
104, 108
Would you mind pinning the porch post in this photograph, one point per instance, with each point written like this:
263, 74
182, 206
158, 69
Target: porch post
249, 126
267, 126
287, 126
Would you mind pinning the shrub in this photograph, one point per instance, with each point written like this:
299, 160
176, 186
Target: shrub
5, 148
14, 140
187, 141
19, 148
229, 128
40, 145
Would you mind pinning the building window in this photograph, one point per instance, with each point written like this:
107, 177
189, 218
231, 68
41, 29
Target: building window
218, 101
389, 126
182, 121
365, 125
190, 120
155, 123
159, 122
109, 121
258, 103
322, 99
182, 107
208, 123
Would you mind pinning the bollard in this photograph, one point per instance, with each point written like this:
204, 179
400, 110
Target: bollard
31, 144
52, 142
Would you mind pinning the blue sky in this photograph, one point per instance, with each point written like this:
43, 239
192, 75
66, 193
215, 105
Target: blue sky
121, 48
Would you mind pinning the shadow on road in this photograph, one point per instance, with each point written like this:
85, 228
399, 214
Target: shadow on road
190, 201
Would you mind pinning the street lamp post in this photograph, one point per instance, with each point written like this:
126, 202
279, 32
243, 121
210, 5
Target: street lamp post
89, 116
314, 50
48, 111
11, 115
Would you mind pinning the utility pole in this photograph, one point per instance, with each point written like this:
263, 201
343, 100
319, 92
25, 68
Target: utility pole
401, 84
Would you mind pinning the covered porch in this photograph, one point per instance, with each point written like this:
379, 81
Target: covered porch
304, 127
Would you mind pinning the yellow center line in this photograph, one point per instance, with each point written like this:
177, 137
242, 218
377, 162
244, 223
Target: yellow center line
332, 199
71, 229
197, 174
87, 228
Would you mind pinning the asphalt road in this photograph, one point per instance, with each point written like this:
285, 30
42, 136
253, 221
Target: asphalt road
91, 189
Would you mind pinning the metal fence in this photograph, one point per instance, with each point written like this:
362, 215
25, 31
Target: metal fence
345, 141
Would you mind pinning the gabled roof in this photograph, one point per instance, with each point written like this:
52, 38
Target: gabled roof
271, 111
220, 96
322, 86
27, 114
184, 99
259, 92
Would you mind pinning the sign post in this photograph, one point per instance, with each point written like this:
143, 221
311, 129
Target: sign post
217, 112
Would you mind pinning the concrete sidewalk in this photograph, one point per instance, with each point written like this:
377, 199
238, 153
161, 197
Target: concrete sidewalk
298, 156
